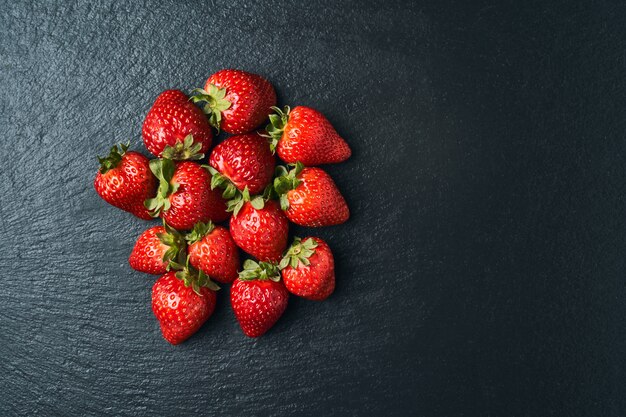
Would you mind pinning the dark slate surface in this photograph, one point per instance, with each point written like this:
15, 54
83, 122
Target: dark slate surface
482, 272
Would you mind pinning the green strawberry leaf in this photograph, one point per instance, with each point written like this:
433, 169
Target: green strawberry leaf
215, 101
185, 150
257, 202
194, 278
284, 202
261, 271
298, 253
200, 230
276, 127
113, 158
163, 169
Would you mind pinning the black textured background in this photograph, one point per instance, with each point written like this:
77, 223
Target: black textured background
481, 274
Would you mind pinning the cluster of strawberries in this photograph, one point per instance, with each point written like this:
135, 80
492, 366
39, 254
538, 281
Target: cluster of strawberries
242, 185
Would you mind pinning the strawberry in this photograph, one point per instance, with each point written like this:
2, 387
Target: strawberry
236, 101
260, 228
175, 128
155, 248
182, 301
124, 180
212, 250
184, 197
242, 161
258, 297
308, 269
304, 134
310, 197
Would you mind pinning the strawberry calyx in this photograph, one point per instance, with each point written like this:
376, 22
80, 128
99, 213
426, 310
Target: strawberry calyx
176, 245
218, 180
192, 277
236, 203
215, 103
298, 253
185, 150
276, 126
236, 198
259, 270
286, 181
113, 158
163, 169
200, 230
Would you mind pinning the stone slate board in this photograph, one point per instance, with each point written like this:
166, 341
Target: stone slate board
482, 271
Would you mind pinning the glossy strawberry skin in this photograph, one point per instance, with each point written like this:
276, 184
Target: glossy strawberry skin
246, 160
258, 304
179, 310
194, 201
261, 233
216, 255
128, 184
316, 201
309, 138
147, 255
315, 281
250, 95
171, 118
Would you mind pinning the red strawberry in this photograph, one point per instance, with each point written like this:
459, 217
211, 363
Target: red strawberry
242, 161
124, 180
212, 250
182, 301
258, 297
304, 134
173, 125
260, 228
155, 248
185, 197
308, 269
310, 197
237, 101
